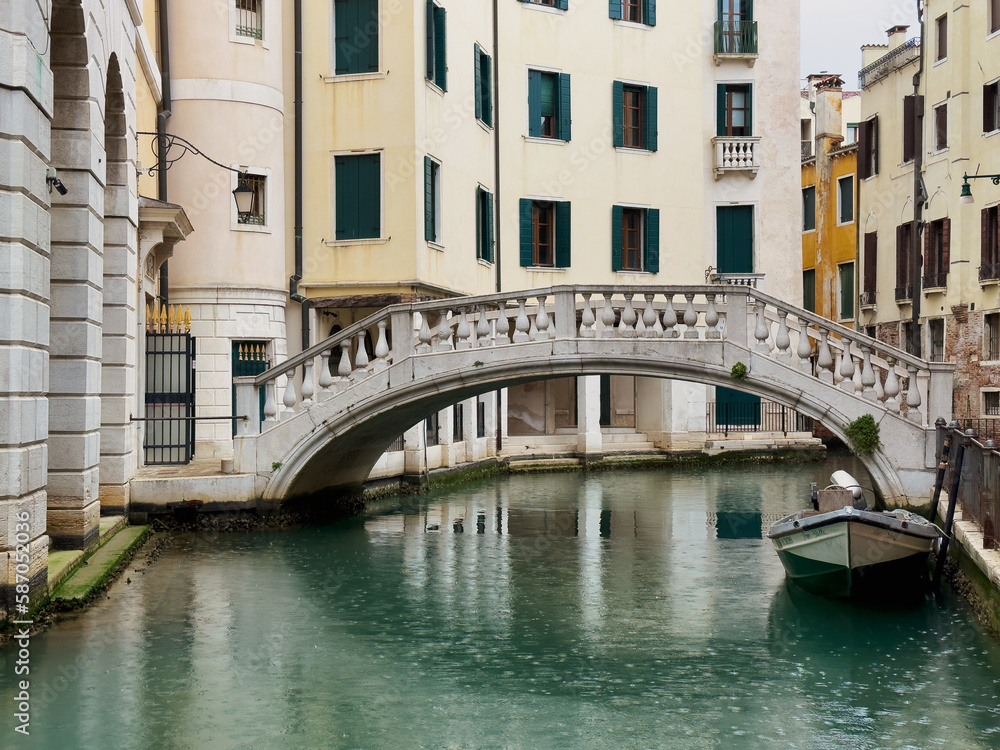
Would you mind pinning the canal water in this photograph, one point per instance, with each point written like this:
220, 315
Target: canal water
637, 609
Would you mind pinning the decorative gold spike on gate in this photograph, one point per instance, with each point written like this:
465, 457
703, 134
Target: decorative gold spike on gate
187, 319
162, 320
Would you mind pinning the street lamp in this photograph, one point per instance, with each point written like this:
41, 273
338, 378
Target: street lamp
169, 148
966, 195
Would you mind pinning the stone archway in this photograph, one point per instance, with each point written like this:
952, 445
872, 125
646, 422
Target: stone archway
118, 459
77, 286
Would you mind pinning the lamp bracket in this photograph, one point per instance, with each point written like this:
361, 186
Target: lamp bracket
172, 148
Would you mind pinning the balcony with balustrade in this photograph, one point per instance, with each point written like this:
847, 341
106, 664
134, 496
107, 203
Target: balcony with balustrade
735, 40
736, 154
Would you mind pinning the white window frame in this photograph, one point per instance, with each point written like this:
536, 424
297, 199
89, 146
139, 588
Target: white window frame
854, 187
994, 82
644, 207
234, 16
934, 127
384, 238
234, 222
982, 402
332, 77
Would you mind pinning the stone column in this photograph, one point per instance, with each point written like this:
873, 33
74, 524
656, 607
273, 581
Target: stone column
470, 412
414, 463
446, 436
27, 103
490, 401
588, 395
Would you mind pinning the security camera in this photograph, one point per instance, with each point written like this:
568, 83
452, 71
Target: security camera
54, 182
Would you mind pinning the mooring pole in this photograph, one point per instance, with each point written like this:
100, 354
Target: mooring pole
942, 469
952, 502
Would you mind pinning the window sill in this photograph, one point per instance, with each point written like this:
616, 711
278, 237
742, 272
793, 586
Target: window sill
991, 133
625, 272
630, 150
353, 243
633, 25
434, 87
354, 77
435, 246
544, 8
993, 35
255, 228
485, 263
939, 151
940, 61
542, 139
544, 269
845, 223
484, 126
928, 291
989, 282
749, 57
809, 231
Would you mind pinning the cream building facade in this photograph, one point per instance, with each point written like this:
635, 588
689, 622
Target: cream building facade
959, 307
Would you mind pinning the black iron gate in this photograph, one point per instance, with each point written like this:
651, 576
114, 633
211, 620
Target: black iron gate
170, 370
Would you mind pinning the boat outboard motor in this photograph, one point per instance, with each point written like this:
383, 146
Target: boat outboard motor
844, 480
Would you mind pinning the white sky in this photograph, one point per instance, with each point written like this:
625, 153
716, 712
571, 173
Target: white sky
832, 33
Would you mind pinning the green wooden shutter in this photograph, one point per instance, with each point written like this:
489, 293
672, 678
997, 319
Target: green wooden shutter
478, 83
747, 10
490, 241
734, 230
564, 128
563, 235
749, 110
346, 187
652, 240
649, 12
616, 238
562, 4
615, 9
534, 103
441, 48
720, 109
487, 66
480, 229
429, 199
526, 234
370, 196
344, 21
617, 113
431, 57
651, 117
368, 25
809, 290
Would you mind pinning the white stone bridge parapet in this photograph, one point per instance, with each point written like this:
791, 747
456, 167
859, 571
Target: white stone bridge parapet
330, 431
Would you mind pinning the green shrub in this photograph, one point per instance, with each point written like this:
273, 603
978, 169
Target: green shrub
739, 371
863, 435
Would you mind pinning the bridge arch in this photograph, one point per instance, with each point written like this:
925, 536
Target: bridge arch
334, 441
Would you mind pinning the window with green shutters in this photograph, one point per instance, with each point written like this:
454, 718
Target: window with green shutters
846, 274
355, 29
437, 47
545, 233
484, 86
809, 208
484, 224
635, 239
635, 11
634, 116
432, 200
809, 290
549, 105
734, 110
358, 196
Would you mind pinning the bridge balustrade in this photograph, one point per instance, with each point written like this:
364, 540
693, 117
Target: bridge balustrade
711, 314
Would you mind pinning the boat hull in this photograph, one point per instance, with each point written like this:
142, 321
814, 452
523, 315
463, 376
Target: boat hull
849, 552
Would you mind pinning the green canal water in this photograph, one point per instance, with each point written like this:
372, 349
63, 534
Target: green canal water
615, 610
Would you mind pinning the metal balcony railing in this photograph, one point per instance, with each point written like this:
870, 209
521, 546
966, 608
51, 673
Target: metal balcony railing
989, 272
904, 293
867, 298
935, 280
735, 37
902, 55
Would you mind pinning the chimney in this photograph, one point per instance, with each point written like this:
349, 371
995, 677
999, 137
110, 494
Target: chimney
897, 36
829, 120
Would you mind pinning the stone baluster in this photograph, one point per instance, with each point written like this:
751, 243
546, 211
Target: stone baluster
307, 389
690, 318
712, 332
425, 336
825, 360
867, 375
483, 328
361, 359
382, 346
344, 367
783, 341
541, 321
847, 367
913, 397
288, 399
804, 350
325, 379
444, 332
762, 330
649, 318
626, 324
463, 334
270, 402
502, 325
670, 319
587, 319
608, 318
891, 387
522, 325
859, 387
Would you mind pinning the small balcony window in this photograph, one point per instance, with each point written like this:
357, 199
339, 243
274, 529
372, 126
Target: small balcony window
250, 19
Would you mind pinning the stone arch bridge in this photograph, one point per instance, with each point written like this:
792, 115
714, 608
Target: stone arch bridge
349, 404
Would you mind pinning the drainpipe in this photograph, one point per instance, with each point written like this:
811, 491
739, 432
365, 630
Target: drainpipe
293, 282
161, 133
918, 160
497, 223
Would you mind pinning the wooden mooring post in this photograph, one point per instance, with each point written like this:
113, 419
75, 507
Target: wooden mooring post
949, 523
